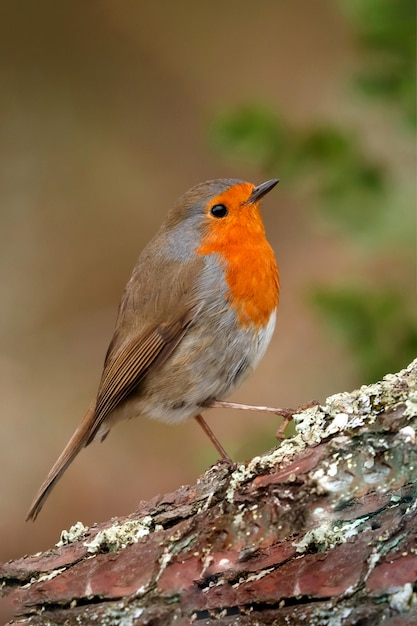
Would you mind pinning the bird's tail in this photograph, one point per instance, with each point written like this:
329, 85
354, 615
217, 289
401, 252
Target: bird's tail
78, 441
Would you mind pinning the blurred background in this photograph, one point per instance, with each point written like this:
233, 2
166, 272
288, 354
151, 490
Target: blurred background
110, 111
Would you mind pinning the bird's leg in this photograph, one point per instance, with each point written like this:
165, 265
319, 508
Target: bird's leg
199, 419
223, 404
286, 413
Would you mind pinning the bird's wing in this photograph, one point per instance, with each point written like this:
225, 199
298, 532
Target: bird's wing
136, 347
131, 362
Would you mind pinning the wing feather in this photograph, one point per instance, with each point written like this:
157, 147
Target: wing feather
127, 362
125, 369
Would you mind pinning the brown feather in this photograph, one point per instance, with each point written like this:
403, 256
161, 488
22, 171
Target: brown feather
131, 365
75, 444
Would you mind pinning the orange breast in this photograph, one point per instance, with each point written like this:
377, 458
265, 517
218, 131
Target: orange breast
249, 261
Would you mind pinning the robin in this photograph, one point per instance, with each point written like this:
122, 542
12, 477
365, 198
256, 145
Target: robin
194, 321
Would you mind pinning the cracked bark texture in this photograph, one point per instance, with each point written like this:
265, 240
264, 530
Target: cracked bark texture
320, 530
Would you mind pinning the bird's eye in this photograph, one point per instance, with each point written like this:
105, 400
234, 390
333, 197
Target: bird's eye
219, 210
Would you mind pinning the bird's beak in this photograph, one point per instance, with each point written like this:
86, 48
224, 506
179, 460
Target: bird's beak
261, 190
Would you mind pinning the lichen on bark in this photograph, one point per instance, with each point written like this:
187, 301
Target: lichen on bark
319, 530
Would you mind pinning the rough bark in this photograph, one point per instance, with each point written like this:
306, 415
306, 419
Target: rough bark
320, 530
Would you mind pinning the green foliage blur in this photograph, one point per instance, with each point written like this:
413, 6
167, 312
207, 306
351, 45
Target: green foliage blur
386, 31
377, 323
352, 192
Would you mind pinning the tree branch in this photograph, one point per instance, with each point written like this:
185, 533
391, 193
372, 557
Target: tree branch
320, 530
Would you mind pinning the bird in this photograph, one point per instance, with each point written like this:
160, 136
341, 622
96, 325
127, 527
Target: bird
195, 318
